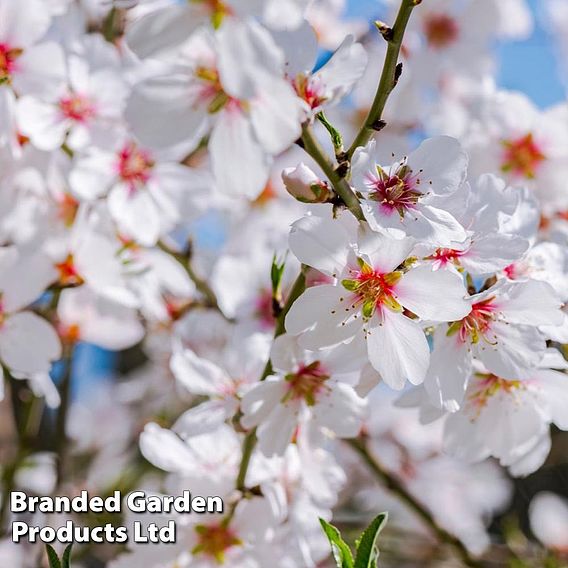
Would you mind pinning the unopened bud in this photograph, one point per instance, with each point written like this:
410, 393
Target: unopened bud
304, 185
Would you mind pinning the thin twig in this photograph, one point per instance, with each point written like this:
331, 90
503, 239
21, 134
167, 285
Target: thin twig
250, 439
388, 78
394, 485
200, 283
61, 441
340, 185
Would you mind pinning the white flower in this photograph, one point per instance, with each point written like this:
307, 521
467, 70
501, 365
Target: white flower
407, 198
230, 83
373, 296
306, 386
146, 197
88, 110
510, 419
501, 329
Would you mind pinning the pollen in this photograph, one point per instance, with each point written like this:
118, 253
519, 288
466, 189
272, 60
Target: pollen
77, 108
306, 383
522, 157
214, 541
395, 191
68, 274
373, 289
134, 165
488, 385
477, 323
308, 89
8, 57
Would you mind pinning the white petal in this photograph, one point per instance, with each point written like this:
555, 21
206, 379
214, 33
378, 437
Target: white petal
443, 162
197, 374
247, 55
384, 252
532, 303
449, 371
136, 214
161, 112
41, 123
276, 114
28, 343
326, 311
162, 31
165, 450
240, 164
436, 295
397, 349
41, 70
320, 243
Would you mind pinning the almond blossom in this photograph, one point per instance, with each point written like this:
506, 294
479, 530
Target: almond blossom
405, 198
377, 295
236, 88
501, 329
305, 387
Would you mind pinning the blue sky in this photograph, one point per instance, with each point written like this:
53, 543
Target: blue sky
529, 66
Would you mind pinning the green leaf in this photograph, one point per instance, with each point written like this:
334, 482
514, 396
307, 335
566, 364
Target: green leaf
52, 557
367, 552
339, 548
66, 558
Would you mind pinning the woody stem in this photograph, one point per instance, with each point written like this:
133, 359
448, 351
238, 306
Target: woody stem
339, 184
250, 439
389, 76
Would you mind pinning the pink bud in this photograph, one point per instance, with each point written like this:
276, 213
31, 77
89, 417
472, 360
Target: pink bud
304, 185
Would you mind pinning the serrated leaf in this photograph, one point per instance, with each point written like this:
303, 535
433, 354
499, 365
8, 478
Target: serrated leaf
66, 558
52, 557
339, 548
367, 547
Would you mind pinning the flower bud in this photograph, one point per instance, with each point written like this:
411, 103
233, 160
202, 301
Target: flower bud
303, 184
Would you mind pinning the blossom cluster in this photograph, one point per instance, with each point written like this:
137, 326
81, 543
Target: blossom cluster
178, 180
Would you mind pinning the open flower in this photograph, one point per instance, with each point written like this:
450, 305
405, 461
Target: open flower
406, 197
501, 329
306, 387
377, 294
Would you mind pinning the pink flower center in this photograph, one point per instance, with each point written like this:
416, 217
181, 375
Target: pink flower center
477, 323
441, 30
8, 57
68, 273
77, 108
310, 90
372, 289
306, 383
488, 385
522, 157
445, 256
396, 191
134, 165
214, 541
